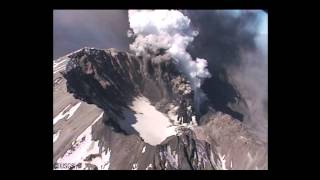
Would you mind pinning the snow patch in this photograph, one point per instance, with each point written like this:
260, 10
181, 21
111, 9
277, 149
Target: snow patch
219, 163
149, 167
102, 162
73, 110
59, 69
63, 114
81, 150
135, 166
223, 161
144, 149
56, 135
59, 64
59, 61
97, 119
60, 115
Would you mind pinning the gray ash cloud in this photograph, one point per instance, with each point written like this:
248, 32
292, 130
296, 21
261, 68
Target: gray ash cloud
75, 29
235, 45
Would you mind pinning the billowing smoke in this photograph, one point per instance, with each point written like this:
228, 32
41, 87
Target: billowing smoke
232, 44
169, 31
235, 43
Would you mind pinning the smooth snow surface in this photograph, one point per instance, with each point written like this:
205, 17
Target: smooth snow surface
152, 125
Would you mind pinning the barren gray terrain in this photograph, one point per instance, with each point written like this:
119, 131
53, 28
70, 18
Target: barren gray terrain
115, 111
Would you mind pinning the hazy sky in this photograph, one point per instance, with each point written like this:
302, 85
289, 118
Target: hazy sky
235, 44
74, 29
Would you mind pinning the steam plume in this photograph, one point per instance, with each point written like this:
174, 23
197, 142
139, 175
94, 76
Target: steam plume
169, 30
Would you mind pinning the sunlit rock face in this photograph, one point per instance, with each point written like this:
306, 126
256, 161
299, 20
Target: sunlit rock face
114, 110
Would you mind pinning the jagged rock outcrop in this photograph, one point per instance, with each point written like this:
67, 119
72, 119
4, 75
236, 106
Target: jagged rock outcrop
232, 139
111, 79
186, 152
103, 83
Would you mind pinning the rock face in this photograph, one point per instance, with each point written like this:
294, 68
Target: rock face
186, 152
94, 94
233, 141
98, 76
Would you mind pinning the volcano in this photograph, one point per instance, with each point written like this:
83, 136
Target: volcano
114, 110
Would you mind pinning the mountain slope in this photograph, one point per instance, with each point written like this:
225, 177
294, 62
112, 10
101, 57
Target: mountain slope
110, 109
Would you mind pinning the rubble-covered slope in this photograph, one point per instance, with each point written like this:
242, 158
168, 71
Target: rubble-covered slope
108, 105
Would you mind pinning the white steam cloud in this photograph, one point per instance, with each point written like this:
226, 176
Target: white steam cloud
167, 30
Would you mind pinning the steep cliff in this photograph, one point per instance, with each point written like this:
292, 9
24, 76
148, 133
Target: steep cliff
114, 110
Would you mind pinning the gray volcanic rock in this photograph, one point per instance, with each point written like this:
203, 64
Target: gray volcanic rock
98, 76
232, 139
183, 151
186, 152
97, 109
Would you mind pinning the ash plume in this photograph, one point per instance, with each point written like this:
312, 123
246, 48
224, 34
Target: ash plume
168, 31
235, 44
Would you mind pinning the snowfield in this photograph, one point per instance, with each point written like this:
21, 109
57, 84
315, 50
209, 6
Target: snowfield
152, 125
